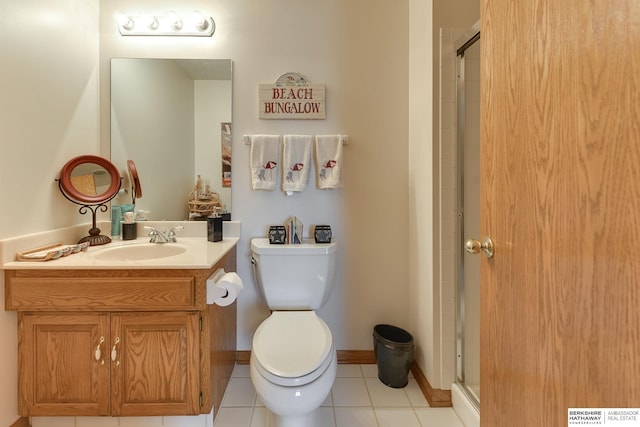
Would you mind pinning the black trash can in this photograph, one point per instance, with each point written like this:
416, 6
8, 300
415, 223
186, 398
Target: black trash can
393, 347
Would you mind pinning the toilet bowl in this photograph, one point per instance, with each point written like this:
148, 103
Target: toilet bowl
293, 360
293, 366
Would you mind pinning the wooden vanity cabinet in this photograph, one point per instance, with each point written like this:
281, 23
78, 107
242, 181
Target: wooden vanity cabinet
141, 358
120, 342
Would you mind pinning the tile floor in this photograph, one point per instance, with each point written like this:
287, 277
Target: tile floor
358, 399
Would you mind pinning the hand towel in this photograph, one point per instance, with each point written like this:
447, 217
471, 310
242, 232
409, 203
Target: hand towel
296, 162
265, 150
328, 161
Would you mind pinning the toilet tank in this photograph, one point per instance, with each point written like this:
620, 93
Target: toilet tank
294, 277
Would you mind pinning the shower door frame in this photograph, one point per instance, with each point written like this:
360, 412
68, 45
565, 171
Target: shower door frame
470, 37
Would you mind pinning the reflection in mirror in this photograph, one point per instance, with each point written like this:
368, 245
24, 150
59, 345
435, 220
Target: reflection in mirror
134, 181
90, 179
171, 116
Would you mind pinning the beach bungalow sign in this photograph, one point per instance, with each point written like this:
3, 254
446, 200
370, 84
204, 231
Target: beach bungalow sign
292, 96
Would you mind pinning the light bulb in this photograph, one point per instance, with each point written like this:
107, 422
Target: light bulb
176, 22
152, 22
126, 22
199, 21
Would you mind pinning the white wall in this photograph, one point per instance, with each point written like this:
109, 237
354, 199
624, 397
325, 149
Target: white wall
48, 114
423, 305
48, 107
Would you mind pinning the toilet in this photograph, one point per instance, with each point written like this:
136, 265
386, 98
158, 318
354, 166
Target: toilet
293, 360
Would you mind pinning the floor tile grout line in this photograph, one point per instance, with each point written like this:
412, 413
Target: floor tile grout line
253, 413
373, 408
333, 411
412, 407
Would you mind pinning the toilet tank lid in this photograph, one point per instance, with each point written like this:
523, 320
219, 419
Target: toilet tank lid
261, 245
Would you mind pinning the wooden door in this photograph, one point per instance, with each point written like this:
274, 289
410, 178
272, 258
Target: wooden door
561, 199
156, 363
58, 369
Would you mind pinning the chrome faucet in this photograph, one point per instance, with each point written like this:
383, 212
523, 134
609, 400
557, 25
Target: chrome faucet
157, 236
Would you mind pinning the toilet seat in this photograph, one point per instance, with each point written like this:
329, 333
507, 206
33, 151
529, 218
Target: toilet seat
292, 348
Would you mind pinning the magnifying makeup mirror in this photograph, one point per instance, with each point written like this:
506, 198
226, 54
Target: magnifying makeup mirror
90, 181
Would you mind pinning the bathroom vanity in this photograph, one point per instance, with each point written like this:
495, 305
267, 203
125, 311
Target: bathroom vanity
132, 337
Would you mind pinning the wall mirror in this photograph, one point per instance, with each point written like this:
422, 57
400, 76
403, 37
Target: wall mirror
91, 182
173, 118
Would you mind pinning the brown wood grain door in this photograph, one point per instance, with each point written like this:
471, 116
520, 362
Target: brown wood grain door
560, 196
60, 371
155, 366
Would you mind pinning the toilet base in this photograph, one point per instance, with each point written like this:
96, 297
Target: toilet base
305, 420
295, 406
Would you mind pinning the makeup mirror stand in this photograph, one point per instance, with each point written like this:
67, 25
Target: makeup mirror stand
94, 238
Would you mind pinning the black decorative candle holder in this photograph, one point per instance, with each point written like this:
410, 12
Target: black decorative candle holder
277, 234
323, 234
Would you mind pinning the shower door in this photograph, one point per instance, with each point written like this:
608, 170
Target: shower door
468, 226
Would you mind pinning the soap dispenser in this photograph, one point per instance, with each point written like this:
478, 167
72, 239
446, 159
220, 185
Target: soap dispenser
129, 227
214, 226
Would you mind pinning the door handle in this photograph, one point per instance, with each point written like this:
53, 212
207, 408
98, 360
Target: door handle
473, 246
114, 351
98, 352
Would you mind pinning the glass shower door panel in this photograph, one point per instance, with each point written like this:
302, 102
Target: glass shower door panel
469, 199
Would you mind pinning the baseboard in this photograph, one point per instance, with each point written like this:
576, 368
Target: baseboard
243, 357
356, 357
436, 397
21, 422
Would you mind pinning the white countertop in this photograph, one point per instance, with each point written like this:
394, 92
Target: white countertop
199, 254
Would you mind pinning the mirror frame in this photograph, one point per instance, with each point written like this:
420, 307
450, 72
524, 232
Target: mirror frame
67, 186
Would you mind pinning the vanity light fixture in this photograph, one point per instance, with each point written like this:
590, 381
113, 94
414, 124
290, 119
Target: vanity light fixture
171, 24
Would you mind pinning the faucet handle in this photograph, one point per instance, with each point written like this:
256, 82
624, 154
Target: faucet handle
171, 237
176, 228
153, 233
152, 230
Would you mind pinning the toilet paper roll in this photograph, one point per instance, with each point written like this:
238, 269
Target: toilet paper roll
223, 288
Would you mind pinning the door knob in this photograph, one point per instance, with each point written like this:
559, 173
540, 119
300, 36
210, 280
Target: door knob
475, 246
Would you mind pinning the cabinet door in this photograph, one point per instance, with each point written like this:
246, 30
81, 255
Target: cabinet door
58, 370
155, 363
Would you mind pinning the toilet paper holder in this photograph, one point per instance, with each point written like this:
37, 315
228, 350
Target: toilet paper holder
221, 289
211, 282
213, 290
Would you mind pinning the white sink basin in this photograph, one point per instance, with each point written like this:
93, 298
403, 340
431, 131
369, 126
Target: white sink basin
140, 252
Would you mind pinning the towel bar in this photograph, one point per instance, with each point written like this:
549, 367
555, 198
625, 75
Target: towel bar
247, 139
